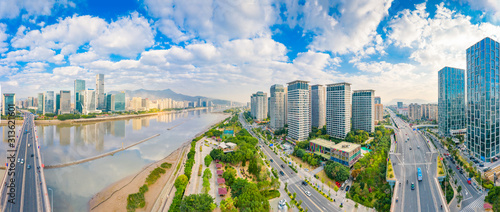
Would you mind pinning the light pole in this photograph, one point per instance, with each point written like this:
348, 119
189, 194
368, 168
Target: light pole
52, 198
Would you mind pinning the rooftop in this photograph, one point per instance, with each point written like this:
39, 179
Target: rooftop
222, 191
221, 180
323, 142
346, 146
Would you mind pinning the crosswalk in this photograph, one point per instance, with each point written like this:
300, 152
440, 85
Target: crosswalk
475, 206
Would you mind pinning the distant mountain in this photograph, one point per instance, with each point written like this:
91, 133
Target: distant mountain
409, 101
167, 93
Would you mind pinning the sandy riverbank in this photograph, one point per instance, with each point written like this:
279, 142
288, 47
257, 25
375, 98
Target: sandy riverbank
99, 119
114, 197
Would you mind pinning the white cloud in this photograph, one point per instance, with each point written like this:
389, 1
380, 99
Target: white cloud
213, 20
3, 38
68, 71
351, 28
126, 37
12, 8
438, 41
489, 6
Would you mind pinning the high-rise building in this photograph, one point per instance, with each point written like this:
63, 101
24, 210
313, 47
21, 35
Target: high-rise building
400, 105
318, 106
259, 106
451, 100
379, 112
65, 102
110, 102
377, 100
79, 86
414, 111
99, 89
430, 111
88, 98
58, 103
8, 101
277, 107
338, 109
41, 103
49, 102
483, 103
299, 110
119, 101
363, 110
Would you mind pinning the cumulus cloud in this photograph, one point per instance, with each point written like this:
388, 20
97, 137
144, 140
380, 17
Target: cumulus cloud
12, 8
3, 38
351, 27
213, 20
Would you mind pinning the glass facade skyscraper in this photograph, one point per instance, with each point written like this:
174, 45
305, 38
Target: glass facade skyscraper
79, 89
451, 101
119, 102
363, 110
8, 100
318, 106
338, 109
483, 105
49, 102
41, 102
277, 107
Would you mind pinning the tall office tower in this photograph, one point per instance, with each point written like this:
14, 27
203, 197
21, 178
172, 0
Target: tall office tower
259, 106
119, 101
338, 109
30, 101
414, 111
277, 107
299, 110
363, 110
377, 100
318, 106
8, 101
451, 101
41, 103
483, 103
400, 105
89, 101
268, 107
49, 102
58, 103
110, 102
379, 112
65, 102
99, 89
79, 86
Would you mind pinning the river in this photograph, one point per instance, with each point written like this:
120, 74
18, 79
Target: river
73, 186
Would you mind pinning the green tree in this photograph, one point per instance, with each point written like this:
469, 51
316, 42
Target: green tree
238, 187
228, 205
229, 175
208, 160
336, 171
198, 203
252, 200
253, 167
181, 182
300, 153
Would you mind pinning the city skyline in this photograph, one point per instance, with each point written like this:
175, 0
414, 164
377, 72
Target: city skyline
252, 47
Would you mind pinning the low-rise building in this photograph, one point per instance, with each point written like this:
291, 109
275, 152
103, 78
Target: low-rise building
344, 153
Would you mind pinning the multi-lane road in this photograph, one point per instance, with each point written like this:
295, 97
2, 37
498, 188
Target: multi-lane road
413, 152
314, 202
26, 176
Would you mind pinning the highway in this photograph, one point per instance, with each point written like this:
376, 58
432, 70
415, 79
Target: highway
426, 195
470, 193
315, 202
28, 192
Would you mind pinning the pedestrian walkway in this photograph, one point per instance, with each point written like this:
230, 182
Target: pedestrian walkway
475, 206
317, 170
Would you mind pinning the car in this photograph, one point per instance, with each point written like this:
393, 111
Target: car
29, 145
282, 202
282, 173
458, 167
418, 147
452, 161
282, 166
461, 172
32, 155
304, 183
487, 169
28, 166
347, 188
449, 166
410, 148
19, 160
481, 165
308, 193
412, 186
271, 160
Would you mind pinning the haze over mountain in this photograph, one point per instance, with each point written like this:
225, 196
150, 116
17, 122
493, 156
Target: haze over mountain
168, 93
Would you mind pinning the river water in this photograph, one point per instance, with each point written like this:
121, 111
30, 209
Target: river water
73, 186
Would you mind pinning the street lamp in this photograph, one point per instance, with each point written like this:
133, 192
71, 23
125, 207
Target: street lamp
52, 198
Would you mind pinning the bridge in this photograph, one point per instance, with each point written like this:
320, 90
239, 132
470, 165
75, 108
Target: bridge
23, 187
425, 125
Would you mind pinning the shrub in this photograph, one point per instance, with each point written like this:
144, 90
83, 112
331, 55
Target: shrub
166, 165
154, 175
199, 170
143, 189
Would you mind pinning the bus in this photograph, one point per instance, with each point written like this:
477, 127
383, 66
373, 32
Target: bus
419, 174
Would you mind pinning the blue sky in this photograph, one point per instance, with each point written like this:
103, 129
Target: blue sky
231, 49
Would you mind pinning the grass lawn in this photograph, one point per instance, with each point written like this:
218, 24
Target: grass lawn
304, 164
322, 175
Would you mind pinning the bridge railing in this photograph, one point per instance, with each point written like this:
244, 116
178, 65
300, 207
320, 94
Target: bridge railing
44, 185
